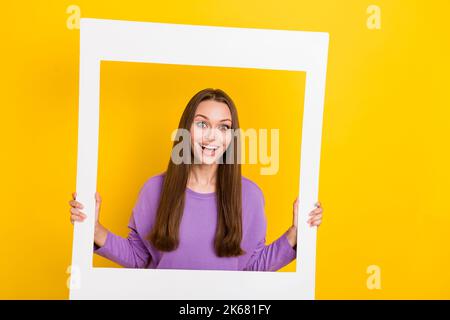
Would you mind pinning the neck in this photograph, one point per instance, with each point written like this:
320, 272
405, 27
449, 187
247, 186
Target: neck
203, 174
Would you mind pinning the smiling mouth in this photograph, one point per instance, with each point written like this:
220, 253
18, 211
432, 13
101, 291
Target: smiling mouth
210, 148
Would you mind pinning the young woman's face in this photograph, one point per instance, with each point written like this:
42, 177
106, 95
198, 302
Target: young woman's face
210, 131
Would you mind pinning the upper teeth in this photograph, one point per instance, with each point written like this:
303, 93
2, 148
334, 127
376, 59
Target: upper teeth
210, 147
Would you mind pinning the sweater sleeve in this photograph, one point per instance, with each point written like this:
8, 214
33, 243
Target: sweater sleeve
129, 252
271, 257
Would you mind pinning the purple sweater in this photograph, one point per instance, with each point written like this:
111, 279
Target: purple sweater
197, 231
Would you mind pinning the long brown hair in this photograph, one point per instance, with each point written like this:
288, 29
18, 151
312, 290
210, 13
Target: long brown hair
165, 233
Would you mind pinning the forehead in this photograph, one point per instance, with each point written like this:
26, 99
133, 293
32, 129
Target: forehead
214, 110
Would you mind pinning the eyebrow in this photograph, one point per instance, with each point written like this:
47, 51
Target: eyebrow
201, 115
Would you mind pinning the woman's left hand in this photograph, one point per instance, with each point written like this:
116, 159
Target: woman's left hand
315, 219
315, 216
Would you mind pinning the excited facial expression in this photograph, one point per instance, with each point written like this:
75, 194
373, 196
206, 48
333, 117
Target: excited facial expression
210, 131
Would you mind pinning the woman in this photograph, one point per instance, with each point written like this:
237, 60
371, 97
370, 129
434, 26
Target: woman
201, 213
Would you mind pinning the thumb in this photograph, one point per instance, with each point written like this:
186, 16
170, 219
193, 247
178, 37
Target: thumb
295, 216
98, 201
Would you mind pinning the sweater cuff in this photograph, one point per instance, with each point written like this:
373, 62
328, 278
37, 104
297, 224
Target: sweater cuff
105, 248
289, 252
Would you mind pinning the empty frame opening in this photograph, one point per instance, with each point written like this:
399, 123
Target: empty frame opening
141, 105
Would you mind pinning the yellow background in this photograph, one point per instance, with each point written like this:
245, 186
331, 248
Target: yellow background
384, 167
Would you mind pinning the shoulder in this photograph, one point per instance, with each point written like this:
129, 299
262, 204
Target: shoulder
253, 213
154, 182
152, 187
147, 202
251, 191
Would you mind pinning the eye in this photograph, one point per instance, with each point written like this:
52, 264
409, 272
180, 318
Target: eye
201, 124
225, 127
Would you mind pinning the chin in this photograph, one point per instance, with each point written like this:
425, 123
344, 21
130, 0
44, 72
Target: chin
208, 161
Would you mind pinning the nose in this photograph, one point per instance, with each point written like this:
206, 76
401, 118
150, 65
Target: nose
209, 134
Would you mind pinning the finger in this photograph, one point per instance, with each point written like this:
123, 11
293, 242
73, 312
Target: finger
74, 195
76, 218
98, 202
318, 204
316, 211
76, 204
315, 218
77, 212
316, 223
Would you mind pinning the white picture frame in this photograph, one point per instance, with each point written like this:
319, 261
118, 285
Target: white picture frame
117, 40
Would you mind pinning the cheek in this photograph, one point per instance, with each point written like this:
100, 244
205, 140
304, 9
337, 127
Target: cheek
227, 139
196, 134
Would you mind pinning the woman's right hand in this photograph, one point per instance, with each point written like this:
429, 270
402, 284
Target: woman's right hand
76, 214
75, 211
